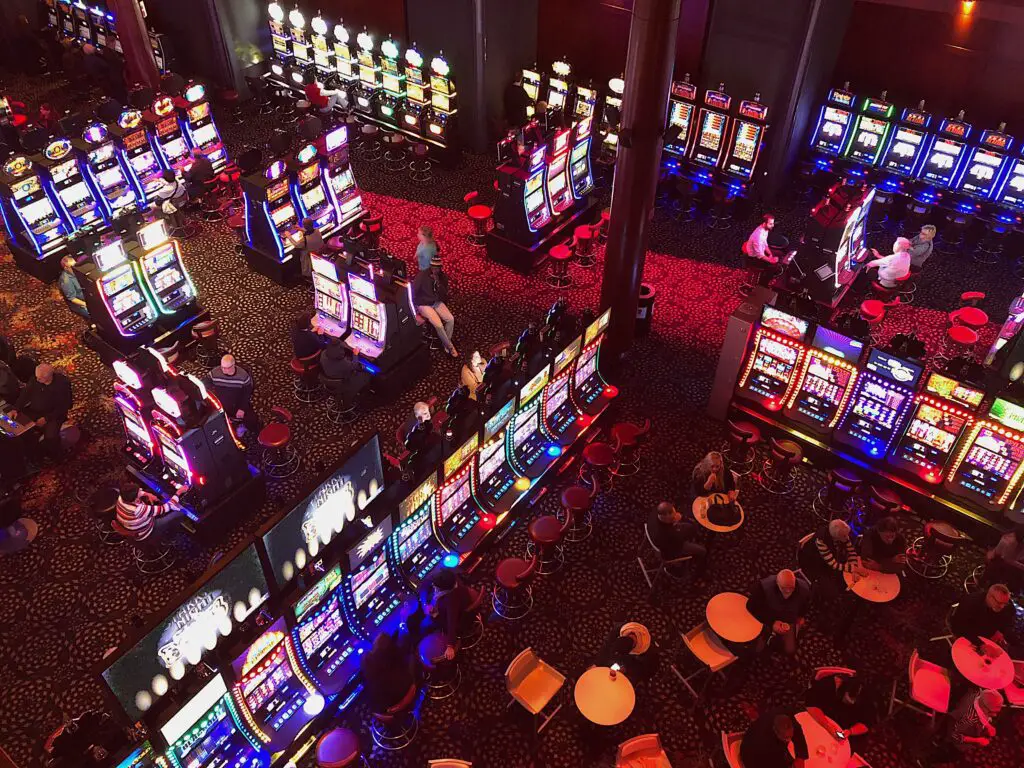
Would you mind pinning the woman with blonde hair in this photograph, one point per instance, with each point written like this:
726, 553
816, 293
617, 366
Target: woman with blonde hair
427, 248
711, 476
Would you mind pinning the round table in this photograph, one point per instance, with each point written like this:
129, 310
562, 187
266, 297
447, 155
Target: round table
700, 514
824, 750
995, 671
876, 587
602, 698
729, 618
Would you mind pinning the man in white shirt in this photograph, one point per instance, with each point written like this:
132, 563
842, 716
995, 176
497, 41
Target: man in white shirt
894, 266
756, 246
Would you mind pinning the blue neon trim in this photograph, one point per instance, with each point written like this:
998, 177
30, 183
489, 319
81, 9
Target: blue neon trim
29, 232
245, 210
297, 199
133, 179
53, 194
273, 231
98, 198
7, 224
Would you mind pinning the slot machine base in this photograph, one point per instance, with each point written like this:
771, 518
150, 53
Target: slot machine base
111, 349
388, 382
525, 258
281, 272
45, 269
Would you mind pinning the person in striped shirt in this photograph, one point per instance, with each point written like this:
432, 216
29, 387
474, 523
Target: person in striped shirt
138, 511
971, 726
830, 554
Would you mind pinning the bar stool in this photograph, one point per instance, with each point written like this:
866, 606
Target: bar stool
584, 246
396, 158
685, 194
969, 317
883, 294
597, 467
306, 383
930, 555
558, 274
471, 629
342, 402
777, 473
102, 509
906, 287
918, 213
576, 503
206, 335
881, 207
952, 238
421, 169
479, 217
152, 555
602, 231
720, 215
626, 441
370, 146
992, 242
960, 341
741, 446
512, 596
881, 502
546, 536
442, 676
755, 270
280, 459
339, 748
396, 727
872, 311
834, 497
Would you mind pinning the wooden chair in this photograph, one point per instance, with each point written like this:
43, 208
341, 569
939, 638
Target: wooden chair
646, 747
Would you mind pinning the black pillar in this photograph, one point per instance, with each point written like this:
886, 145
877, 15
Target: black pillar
139, 64
649, 58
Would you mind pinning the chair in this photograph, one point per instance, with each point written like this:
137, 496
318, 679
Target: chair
777, 473
442, 676
731, 743
280, 459
306, 371
152, 555
799, 572
339, 748
546, 537
584, 246
653, 573
627, 438
645, 747
512, 596
741, 448
206, 335
576, 503
834, 497
479, 216
823, 672
929, 688
449, 762
1014, 692
396, 727
950, 636
598, 466
558, 273
930, 555
882, 502
534, 684
710, 651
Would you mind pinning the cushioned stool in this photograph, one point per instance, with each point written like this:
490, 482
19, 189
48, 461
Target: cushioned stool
959, 342
930, 555
992, 242
558, 274
371, 229
512, 596
597, 467
741, 448
872, 311
342, 403
306, 371
576, 503
602, 227
584, 246
396, 727
471, 627
834, 497
970, 317
442, 676
152, 555
280, 459
777, 472
546, 537
720, 215
420, 167
370, 146
429, 334
103, 509
479, 217
206, 334
626, 441
906, 287
881, 502
339, 748
395, 155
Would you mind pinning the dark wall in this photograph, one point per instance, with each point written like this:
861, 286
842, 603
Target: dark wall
951, 60
385, 18
195, 32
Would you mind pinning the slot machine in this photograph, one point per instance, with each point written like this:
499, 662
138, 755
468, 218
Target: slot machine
311, 193
460, 520
944, 157
371, 594
208, 730
327, 651
272, 228
302, 68
559, 90
167, 135
826, 380
109, 173
440, 118
124, 313
681, 108
584, 104
52, 20
136, 378
330, 289
498, 485
1009, 195
981, 173
279, 37
712, 125
159, 44
828, 140
67, 18
113, 39
522, 211
99, 27
905, 151
611, 115
942, 414
344, 61
528, 445
272, 692
590, 393
200, 128
75, 197
556, 174
381, 316
83, 24
579, 159
334, 149
775, 358
989, 464
167, 280
532, 84
745, 141
323, 55
881, 401
367, 91
561, 420
870, 131
392, 81
413, 109
133, 145
413, 548
37, 233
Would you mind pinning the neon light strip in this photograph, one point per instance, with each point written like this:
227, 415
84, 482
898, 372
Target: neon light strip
275, 234
128, 170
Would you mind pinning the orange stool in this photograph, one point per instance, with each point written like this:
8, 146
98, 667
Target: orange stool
558, 275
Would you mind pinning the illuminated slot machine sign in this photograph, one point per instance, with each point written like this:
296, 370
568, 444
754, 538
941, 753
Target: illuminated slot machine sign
905, 151
331, 296
300, 45
310, 193
460, 520
526, 439
207, 731
1010, 190
557, 177
136, 148
344, 61
392, 79
942, 414
326, 649
279, 37
538, 211
682, 106
946, 155
985, 165
590, 392
559, 412
870, 131
825, 381
712, 123
202, 130
879, 404
745, 140
989, 462
139, 444
442, 98
371, 594
834, 122
126, 301
498, 486
414, 550
368, 318
770, 375
272, 692
162, 268
417, 88
579, 159
368, 70
169, 137
558, 85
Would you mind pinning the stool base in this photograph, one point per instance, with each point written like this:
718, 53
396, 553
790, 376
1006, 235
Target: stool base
922, 565
509, 606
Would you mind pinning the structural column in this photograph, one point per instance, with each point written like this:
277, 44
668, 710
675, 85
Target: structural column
140, 66
649, 62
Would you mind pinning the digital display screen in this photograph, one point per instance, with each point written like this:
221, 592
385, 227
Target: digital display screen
166, 126
199, 111
1011, 193
319, 591
533, 386
461, 456
283, 215
366, 583
362, 287
894, 369
205, 135
951, 389
930, 437
416, 499
37, 210
773, 366
903, 151
597, 327
745, 143
831, 130
784, 323
527, 423
982, 172
1008, 414
412, 536
990, 463
63, 171
189, 714
822, 388
454, 495
102, 153
500, 418
567, 355
837, 344
492, 456
369, 544
942, 161
586, 367
309, 173
277, 190
867, 141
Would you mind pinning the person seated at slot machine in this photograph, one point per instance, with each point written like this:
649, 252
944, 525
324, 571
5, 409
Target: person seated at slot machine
430, 292
883, 547
985, 613
338, 361
233, 386
780, 603
306, 339
1004, 563
69, 286
48, 117
199, 173
921, 246
893, 267
46, 400
168, 194
324, 100
828, 555
675, 538
310, 242
472, 375
756, 246
710, 476
386, 672
139, 512
447, 607
427, 249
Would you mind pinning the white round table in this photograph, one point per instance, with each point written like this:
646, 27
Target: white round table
984, 670
602, 698
729, 618
700, 514
824, 750
876, 587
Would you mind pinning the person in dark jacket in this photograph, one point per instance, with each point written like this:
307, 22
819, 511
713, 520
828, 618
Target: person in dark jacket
306, 342
828, 555
198, 174
675, 538
766, 744
387, 673
233, 386
841, 699
711, 476
883, 547
516, 100
46, 399
312, 242
447, 606
10, 385
780, 602
429, 293
984, 614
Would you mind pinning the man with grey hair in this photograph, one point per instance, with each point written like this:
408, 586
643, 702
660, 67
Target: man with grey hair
984, 614
46, 400
233, 386
921, 246
780, 603
829, 554
893, 267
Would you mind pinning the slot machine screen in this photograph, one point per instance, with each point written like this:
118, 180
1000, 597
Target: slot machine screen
309, 173
311, 599
709, 145
982, 173
142, 756
313, 197
831, 130
867, 142
527, 423
454, 496
822, 389
366, 583
533, 387
782, 322
559, 394
364, 307
63, 171
460, 456
951, 389
205, 700
492, 456
904, 149
283, 215
902, 372
118, 280
28, 187
205, 134
362, 287
501, 417
125, 300
990, 463
198, 112
579, 151
586, 367
535, 200
567, 355
597, 327
772, 367
277, 190
837, 344
930, 436
111, 177
680, 116
36, 211
412, 539
745, 148
102, 153
942, 162
1011, 193
135, 140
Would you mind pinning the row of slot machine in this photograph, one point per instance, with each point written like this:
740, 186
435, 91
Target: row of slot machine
944, 161
89, 184
317, 183
344, 564
399, 90
931, 431
95, 23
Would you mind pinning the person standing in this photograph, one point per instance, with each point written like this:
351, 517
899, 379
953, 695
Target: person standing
516, 100
312, 242
69, 286
921, 246
46, 399
430, 292
893, 267
426, 247
233, 386
756, 246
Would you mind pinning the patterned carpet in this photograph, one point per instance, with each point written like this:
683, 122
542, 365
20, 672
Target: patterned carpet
68, 598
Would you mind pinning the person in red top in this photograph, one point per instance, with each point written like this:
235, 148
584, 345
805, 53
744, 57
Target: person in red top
324, 100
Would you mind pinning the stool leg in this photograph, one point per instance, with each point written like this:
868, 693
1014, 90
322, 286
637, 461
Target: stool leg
280, 462
512, 606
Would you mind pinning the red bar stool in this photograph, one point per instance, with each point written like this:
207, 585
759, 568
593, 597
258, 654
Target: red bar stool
741, 448
602, 227
546, 536
627, 438
777, 472
206, 335
512, 596
371, 228
906, 287
834, 497
931, 554
396, 727
339, 748
479, 216
576, 504
442, 676
280, 459
558, 274
971, 298
597, 467
960, 341
885, 295
584, 246
969, 317
471, 630
882, 502
872, 311
307, 378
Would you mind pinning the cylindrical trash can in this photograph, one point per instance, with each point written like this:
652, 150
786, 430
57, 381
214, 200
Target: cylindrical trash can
645, 309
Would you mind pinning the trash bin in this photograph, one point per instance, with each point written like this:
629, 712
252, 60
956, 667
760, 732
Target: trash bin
645, 309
